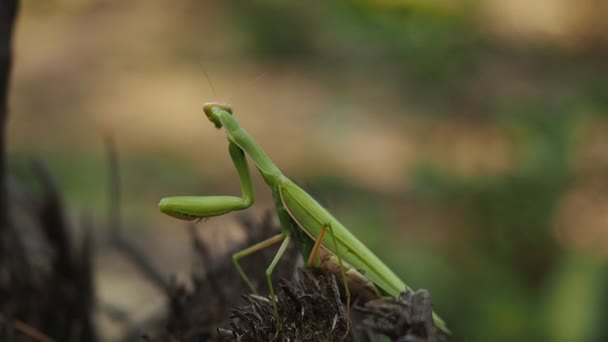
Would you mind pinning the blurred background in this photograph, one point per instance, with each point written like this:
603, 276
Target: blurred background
465, 142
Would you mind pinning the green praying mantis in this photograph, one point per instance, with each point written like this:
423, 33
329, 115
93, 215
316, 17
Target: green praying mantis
316, 232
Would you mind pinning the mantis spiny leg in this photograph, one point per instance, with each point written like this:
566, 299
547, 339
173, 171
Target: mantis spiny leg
315, 249
314, 253
270, 269
197, 208
250, 250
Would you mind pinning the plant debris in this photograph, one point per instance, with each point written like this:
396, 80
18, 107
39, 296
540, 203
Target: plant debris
310, 310
407, 318
46, 283
195, 313
310, 304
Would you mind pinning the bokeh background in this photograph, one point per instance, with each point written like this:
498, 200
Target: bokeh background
465, 142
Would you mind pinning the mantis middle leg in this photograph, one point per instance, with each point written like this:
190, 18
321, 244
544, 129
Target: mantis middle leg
250, 250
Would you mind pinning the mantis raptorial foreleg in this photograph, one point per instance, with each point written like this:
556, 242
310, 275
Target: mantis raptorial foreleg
197, 207
300, 215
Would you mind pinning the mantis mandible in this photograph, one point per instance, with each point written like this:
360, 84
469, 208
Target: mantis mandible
301, 217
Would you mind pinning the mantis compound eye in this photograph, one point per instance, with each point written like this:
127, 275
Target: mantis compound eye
213, 117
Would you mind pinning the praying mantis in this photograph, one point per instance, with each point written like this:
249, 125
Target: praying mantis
320, 237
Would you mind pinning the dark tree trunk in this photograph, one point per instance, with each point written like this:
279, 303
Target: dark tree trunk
8, 14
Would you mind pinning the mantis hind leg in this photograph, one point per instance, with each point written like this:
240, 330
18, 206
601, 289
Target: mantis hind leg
311, 260
315, 249
250, 250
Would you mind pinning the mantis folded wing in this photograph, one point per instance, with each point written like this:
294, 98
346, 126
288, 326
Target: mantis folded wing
302, 218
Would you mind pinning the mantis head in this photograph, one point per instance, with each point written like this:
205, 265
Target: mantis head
210, 109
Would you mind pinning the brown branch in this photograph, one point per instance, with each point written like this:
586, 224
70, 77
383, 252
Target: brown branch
117, 238
26, 329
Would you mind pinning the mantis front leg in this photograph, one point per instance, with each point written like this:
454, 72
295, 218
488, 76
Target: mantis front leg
198, 207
